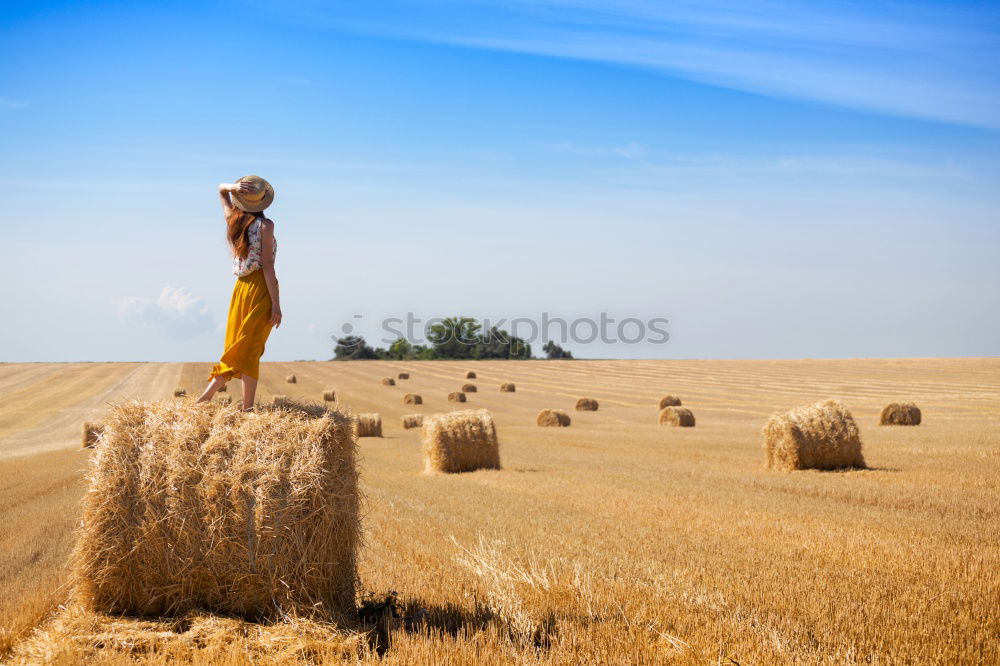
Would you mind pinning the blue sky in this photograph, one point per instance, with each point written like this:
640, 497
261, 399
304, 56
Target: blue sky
778, 179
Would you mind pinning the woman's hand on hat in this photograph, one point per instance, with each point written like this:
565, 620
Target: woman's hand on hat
242, 187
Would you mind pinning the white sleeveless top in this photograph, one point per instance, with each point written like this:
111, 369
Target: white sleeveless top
244, 267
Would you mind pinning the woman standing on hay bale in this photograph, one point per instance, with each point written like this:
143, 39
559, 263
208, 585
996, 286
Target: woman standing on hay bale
255, 307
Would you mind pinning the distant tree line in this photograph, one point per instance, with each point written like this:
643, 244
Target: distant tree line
452, 338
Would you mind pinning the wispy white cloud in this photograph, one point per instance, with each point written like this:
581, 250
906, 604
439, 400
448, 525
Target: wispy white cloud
8, 104
176, 312
934, 61
631, 150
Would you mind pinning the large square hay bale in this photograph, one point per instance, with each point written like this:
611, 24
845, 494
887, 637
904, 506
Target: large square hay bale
507, 387
413, 399
330, 395
90, 433
388, 381
369, 425
552, 418
460, 441
203, 506
819, 436
669, 401
413, 421
469, 388
900, 413
681, 417
456, 396
586, 405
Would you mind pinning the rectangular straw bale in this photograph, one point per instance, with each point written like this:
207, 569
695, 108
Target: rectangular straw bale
369, 425
819, 436
204, 506
89, 434
413, 421
900, 413
460, 441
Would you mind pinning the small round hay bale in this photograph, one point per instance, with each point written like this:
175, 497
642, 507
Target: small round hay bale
330, 395
292, 379
669, 401
90, 433
369, 425
456, 396
680, 417
469, 388
413, 421
225, 400
412, 399
507, 387
403, 375
179, 393
223, 388
819, 436
460, 442
388, 381
900, 413
470, 375
552, 418
586, 405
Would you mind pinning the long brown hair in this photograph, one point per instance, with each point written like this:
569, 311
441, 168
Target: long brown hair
237, 223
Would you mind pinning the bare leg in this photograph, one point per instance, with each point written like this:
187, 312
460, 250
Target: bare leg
249, 391
212, 387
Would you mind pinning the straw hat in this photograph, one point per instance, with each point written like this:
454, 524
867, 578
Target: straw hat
256, 201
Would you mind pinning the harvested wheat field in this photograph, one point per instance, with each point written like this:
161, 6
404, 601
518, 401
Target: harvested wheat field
614, 541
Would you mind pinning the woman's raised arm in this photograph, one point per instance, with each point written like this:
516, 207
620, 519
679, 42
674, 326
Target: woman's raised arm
225, 189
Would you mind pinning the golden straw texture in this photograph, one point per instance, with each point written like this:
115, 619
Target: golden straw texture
369, 425
202, 506
460, 441
677, 416
819, 436
507, 387
413, 421
586, 405
669, 401
552, 418
456, 396
89, 434
900, 413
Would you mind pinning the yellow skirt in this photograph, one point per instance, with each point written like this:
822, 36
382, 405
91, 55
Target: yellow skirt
247, 330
